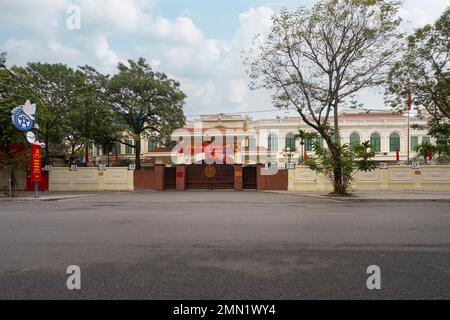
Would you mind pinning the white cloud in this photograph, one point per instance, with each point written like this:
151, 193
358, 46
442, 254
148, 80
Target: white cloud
181, 31
417, 13
210, 69
52, 51
109, 16
105, 55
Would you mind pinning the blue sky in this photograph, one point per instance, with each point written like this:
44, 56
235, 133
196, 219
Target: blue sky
219, 19
198, 42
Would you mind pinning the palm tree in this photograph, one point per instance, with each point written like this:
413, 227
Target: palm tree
303, 136
424, 149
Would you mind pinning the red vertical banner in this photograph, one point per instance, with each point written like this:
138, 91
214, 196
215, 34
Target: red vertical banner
36, 163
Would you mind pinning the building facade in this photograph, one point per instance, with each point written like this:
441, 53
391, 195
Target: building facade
386, 131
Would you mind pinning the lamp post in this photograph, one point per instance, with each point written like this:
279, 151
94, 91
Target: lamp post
288, 154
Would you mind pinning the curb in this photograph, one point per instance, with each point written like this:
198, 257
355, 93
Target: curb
31, 199
357, 199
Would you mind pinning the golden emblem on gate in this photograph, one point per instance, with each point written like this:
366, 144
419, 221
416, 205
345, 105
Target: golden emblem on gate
210, 171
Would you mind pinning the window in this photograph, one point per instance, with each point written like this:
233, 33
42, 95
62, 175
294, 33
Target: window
425, 139
252, 143
375, 142
308, 145
394, 142
115, 148
290, 142
128, 149
355, 140
272, 142
320, 140
414, 143
152, 144
441, 139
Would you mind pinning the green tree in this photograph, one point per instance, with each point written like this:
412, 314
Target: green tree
12, 94
424, 149
423, 71
107, 128
354, 159
147, 102
55, 86
303, 136
316, 60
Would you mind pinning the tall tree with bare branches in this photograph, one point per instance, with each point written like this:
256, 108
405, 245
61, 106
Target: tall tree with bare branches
317, 61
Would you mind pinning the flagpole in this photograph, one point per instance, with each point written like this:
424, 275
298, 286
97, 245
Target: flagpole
408, 133
408, 136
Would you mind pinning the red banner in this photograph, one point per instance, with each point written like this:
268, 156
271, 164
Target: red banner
36, 163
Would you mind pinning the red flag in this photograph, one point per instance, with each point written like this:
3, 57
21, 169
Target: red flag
305, 157
397, 154
430, 155
117, 156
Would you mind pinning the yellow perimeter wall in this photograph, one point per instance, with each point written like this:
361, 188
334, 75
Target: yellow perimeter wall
91, 179
393, 178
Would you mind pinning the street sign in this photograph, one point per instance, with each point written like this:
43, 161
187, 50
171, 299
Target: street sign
415, 165
290, 165
36, 163
23, 116
31, 137
383, 165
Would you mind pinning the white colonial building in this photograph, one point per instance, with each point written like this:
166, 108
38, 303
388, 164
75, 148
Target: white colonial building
386, 131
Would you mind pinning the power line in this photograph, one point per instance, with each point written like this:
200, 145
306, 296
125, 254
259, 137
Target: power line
268, 110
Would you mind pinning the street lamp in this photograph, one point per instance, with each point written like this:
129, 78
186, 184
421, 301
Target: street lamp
288, 154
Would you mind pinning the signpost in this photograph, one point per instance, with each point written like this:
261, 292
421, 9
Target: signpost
36, 167
23, 118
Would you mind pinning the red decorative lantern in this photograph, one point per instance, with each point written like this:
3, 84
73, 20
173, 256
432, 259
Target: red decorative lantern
397, 154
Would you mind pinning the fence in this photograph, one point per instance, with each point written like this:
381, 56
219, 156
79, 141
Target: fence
393, 178
91, 179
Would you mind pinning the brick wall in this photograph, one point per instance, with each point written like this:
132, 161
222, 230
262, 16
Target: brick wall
144, 180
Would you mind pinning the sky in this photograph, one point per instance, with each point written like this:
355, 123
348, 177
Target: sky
197, 42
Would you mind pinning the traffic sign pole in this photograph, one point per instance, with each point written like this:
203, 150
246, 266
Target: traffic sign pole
36, 189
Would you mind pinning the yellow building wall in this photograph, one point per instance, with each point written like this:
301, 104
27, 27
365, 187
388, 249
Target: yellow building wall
393, 178
91, 179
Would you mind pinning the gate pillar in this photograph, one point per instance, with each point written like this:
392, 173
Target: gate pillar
238, 173
260, 179
181, 177
159, 177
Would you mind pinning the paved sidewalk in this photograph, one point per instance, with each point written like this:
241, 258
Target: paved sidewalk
49, 196
376, 195
231, 196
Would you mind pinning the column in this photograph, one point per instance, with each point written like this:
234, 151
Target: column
159, 177
238, 173
181, 177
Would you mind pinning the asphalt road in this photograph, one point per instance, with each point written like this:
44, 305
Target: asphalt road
223, 245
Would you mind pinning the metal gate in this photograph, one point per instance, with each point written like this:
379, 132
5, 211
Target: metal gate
216, 176
249, 177
170, 179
